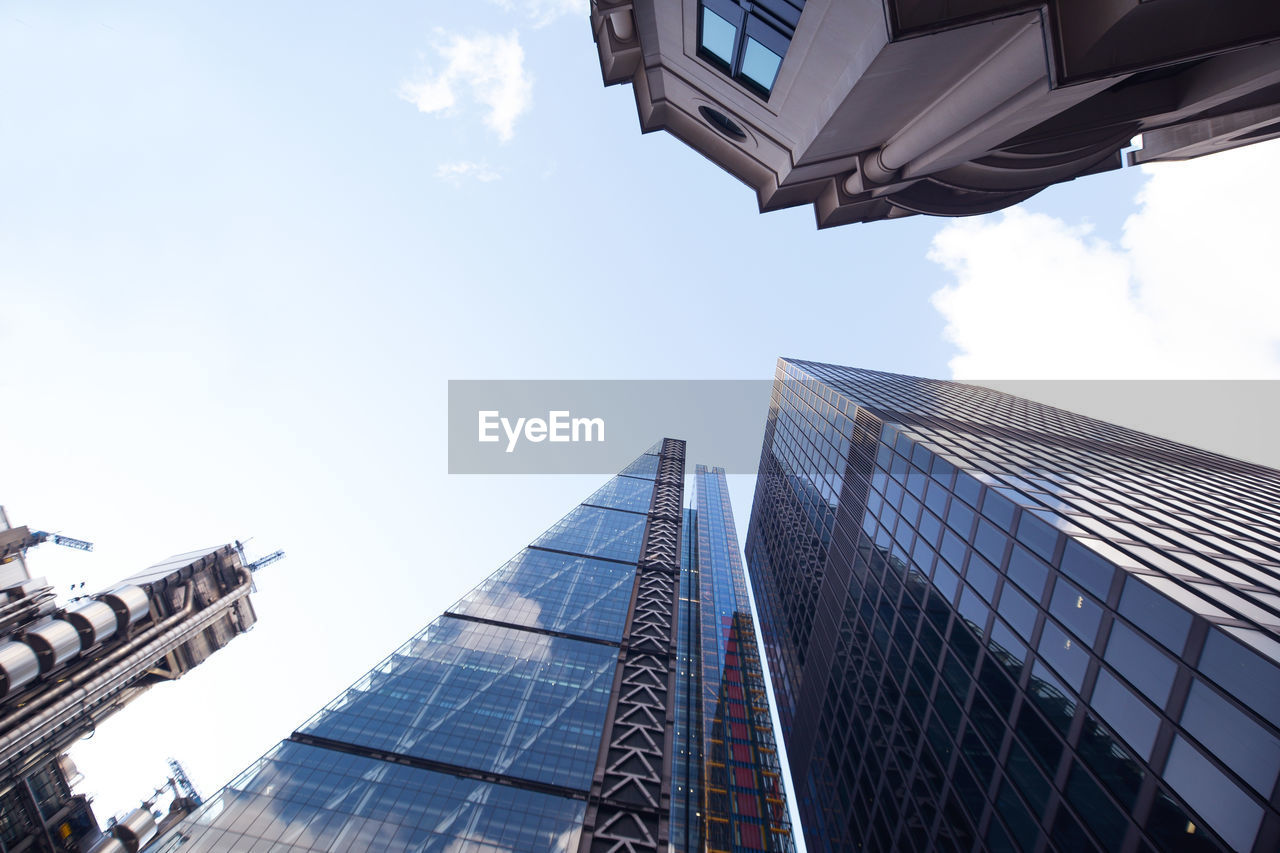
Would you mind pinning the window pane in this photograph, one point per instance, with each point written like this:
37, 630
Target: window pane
1139, 661
990, 541
1234, 738
1052, 696
1227, 809
718, 35
760, 64
1134, 722
1064, 654
1076, 610
1244, 675
999, 509
1037, 535
1174, 829
1019, 612
1155, 614
1097, 810
1086, 567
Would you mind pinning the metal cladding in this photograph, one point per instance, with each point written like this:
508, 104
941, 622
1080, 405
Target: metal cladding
110, 844
631, 794
54, 642
18, 666
95, 620
130, 604
62, 672
136, 830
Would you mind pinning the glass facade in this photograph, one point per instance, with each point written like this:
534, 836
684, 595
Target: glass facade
729, 796
491, 729
479, 733
996, 625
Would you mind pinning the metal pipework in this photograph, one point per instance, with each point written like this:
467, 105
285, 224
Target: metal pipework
129, 602
136, 830
95, 620
83, 626
18, 667
80, 677
81, 696
1012, 68
54, 643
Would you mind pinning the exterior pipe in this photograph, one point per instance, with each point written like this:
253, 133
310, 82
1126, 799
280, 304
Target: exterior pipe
1017, 64
91, 693
88, 672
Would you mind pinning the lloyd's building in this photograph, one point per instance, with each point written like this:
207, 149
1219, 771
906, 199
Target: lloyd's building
602, 691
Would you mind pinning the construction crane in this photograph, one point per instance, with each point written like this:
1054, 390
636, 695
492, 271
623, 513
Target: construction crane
182, 784
15, 540
265, 561
39, 537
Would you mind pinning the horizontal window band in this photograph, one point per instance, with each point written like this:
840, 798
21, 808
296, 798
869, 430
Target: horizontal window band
438, 766
580, 554
564, 635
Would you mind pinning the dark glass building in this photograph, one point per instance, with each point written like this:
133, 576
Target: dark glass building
997, 625
539, 713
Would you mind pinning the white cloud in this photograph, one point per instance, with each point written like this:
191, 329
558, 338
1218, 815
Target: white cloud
489, 68
461, 170
543, 12
1190, 292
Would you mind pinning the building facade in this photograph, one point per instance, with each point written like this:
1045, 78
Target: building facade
729, 792
64, 668
997, 625
558, 706
878, 109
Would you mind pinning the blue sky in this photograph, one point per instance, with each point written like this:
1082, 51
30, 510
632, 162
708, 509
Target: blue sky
244, 247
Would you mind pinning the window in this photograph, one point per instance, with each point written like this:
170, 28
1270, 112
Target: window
747, 40
1141, 663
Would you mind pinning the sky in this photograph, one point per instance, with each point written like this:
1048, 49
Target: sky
244, 247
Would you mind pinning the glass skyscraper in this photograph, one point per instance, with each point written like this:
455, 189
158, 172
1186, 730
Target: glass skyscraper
997, 625
541, 712
729, 794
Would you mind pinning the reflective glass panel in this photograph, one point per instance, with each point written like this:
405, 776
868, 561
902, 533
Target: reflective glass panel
1155, 614
1064, 653
1236, 740
1075, 610
597, 532
718, 35
760, 64
631, 493
556, 592
300, 797
1134, 721
1243, 673
475, 695
1141, 663
644, 466
1226, 808
1088, 569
